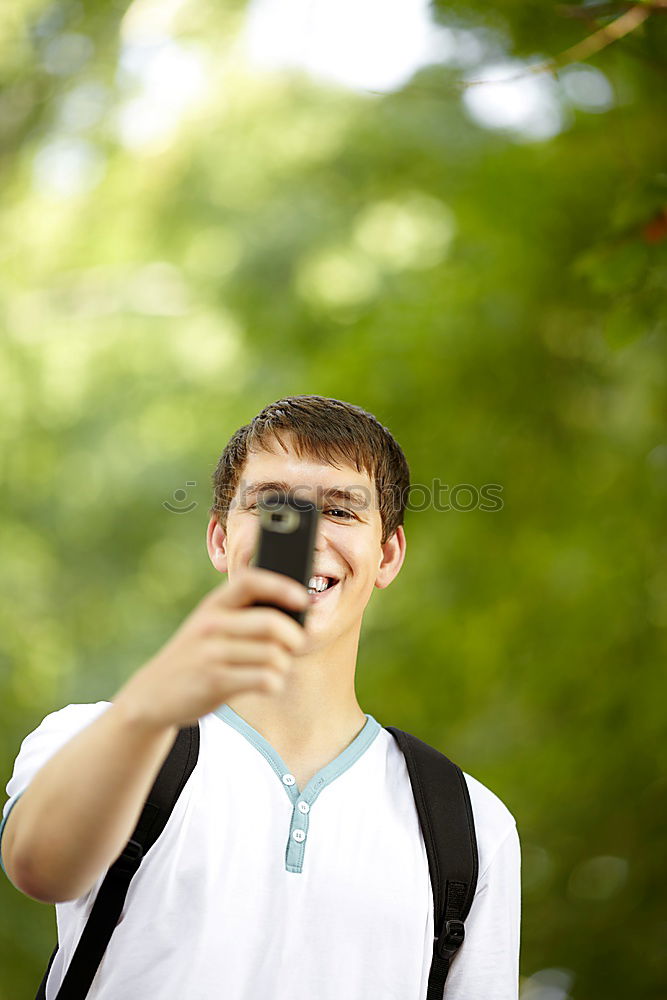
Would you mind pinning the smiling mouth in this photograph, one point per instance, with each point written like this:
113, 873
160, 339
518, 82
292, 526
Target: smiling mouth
317, 595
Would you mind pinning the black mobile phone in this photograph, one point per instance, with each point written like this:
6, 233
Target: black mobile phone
286, 542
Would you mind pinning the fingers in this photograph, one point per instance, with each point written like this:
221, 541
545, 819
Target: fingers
254, 679
263, 624
252, 584
245, 653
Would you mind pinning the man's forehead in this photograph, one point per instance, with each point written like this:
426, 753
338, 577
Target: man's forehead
288, 464
307, 477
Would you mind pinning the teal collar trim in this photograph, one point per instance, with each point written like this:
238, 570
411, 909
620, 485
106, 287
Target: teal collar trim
302, 802
325, 776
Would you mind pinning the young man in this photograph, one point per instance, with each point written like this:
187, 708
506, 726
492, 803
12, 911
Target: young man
293, 864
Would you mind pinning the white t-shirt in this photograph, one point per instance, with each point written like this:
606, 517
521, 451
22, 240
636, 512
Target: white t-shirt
256, 890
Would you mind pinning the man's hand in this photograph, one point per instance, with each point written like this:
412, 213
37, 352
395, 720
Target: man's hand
223, 648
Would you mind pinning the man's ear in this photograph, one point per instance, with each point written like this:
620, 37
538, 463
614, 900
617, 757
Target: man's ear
216, 543
391, 560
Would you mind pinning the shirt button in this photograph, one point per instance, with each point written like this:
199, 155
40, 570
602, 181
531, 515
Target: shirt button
289, 779
299, 836
303, 807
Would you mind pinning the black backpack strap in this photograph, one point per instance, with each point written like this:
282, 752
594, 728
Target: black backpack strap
108, 905
445, 816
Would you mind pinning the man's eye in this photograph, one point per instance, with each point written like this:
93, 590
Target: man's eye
330, 510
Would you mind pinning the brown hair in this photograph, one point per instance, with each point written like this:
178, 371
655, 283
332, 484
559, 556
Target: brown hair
330, 431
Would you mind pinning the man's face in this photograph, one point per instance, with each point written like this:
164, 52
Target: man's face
348, 544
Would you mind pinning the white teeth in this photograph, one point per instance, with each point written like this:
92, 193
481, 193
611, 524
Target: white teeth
318, 583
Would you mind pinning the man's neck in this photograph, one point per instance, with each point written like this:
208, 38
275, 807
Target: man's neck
303, 755
317, 714
298, 732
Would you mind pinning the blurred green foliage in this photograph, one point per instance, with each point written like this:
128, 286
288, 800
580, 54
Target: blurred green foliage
495, 298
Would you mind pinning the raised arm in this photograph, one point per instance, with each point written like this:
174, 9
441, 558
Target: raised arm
80, 809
